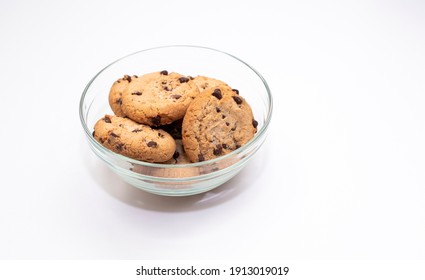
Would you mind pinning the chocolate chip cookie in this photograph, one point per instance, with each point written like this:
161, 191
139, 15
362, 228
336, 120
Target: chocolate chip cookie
115, 94
216, 123
205, 83
137, 141
158, 98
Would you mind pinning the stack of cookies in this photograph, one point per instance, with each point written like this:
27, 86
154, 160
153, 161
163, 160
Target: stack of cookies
170, 118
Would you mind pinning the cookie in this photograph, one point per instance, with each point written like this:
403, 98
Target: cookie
158, 98
205, 83
216, 123
115, 94
137, 141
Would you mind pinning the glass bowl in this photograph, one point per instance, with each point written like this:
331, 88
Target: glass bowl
181, 179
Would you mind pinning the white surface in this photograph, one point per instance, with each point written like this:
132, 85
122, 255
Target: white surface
341, 175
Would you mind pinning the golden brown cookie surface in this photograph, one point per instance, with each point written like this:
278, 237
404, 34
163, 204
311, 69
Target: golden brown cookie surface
205, 83
158, 98
115, 94
137, 141
216, 123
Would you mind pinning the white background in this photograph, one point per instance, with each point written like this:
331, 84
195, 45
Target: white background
341, 175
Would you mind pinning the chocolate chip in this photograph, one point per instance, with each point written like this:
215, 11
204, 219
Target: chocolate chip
107, 119
176, 155
166, 88
218, 109
152, 144
201, 157
227, 123
127, 77
237, 99
119, 101
135, 76
156, 120
136, 130
254, 123
217, 93
224, 146
175, 96
218, 150
161, 135
223, 116
114, 135
136, 93
237, 146
183, 80
164, 72
119, 146
190, 77
236, 91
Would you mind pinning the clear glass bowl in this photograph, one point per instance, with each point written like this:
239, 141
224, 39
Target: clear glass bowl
184, 179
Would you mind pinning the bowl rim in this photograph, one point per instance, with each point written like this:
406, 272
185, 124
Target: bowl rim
243, 148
